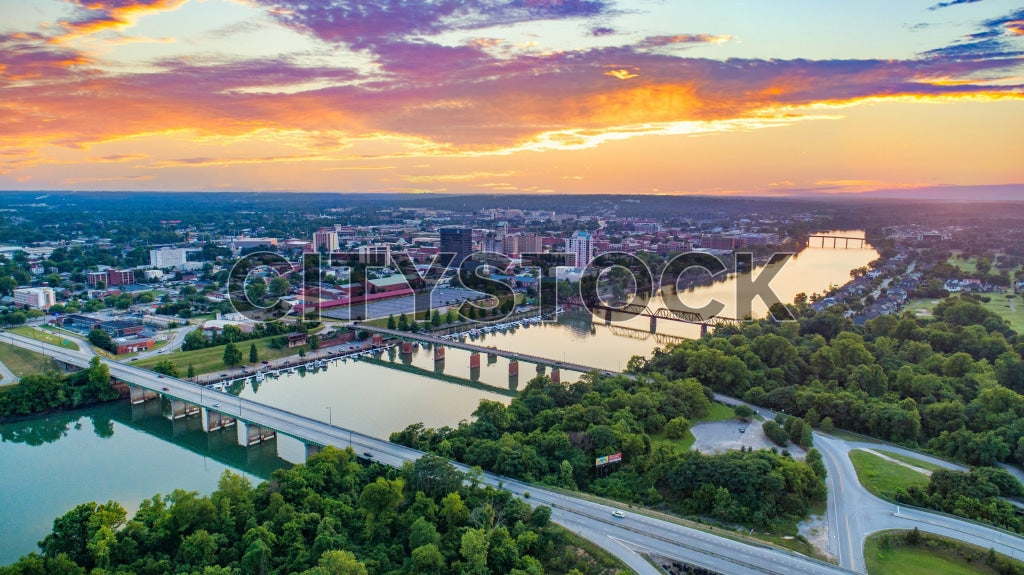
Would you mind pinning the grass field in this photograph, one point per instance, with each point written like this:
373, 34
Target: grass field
911, 460
45, 336
1000, 306
22, 361
718, 412
212, 359
917, 561
882, 477
922, 307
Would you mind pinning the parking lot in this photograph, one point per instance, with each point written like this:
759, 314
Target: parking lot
722, 436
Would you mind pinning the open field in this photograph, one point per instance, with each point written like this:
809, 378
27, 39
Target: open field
882, 477
904, 560
1002, 307
45, 336
22, 361
211, 359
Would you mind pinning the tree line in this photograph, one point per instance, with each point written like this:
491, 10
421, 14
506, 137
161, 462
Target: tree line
329, 516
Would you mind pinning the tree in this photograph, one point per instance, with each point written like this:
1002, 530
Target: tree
232, 356
166, 367
392, 324
677, 427
776, 433
279, 286
337, 562
102, 340
256, 290
743, 412
435, 318
191, 371
254, 355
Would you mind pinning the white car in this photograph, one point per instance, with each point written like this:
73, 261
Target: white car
618, 513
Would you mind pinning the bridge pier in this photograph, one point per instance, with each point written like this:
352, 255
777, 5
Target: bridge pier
255, 434
377, 340
438, 353
406, 348
703, 329
214, 420
607, 317
474, 360
513, 367
180, 408
540, 369
654, 324
312, 450
492, 358
141, 394
556, 375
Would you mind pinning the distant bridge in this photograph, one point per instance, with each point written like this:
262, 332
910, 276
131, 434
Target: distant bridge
859, 242
634, 310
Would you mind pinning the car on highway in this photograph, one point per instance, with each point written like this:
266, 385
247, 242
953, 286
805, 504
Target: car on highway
216, 405
166, 389
618, 514
743, 430
367, 454
161, 376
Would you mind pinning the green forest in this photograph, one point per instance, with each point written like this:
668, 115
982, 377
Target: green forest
551, 433
331, 516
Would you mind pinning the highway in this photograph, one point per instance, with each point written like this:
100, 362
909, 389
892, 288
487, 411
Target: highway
624, 537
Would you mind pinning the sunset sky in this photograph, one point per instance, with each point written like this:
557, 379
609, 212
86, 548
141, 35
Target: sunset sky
485, 96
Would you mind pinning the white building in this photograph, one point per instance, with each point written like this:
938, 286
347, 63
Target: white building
581, 246
36, 298
166, 258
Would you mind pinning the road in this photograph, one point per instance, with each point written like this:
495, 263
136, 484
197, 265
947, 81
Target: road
624, 537
173, 345
853, 513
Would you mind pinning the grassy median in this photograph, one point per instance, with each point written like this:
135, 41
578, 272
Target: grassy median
882, 477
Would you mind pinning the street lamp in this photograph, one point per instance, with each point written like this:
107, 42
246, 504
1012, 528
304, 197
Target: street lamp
330, 416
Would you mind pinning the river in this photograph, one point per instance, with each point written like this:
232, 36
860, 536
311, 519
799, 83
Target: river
50, 464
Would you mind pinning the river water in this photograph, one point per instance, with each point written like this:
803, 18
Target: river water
117, 451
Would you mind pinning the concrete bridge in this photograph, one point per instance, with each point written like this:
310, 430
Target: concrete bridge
441, 343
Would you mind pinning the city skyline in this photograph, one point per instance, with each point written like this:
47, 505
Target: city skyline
523, 96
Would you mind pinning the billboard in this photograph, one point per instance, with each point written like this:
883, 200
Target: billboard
613, 458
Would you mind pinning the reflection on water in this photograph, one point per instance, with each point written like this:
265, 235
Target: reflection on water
113, 451
580, 338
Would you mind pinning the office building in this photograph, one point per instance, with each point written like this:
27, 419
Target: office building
325, 240
35, 298
457, 241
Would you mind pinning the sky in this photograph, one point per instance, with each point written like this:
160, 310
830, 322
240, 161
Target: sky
716, 97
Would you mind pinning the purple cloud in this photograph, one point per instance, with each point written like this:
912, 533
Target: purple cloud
362, 24
941, 5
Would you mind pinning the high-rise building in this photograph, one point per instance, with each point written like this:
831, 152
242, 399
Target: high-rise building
375, 255
531, 244
326, 240
581, 246
457, 241
36, 298
165, 258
